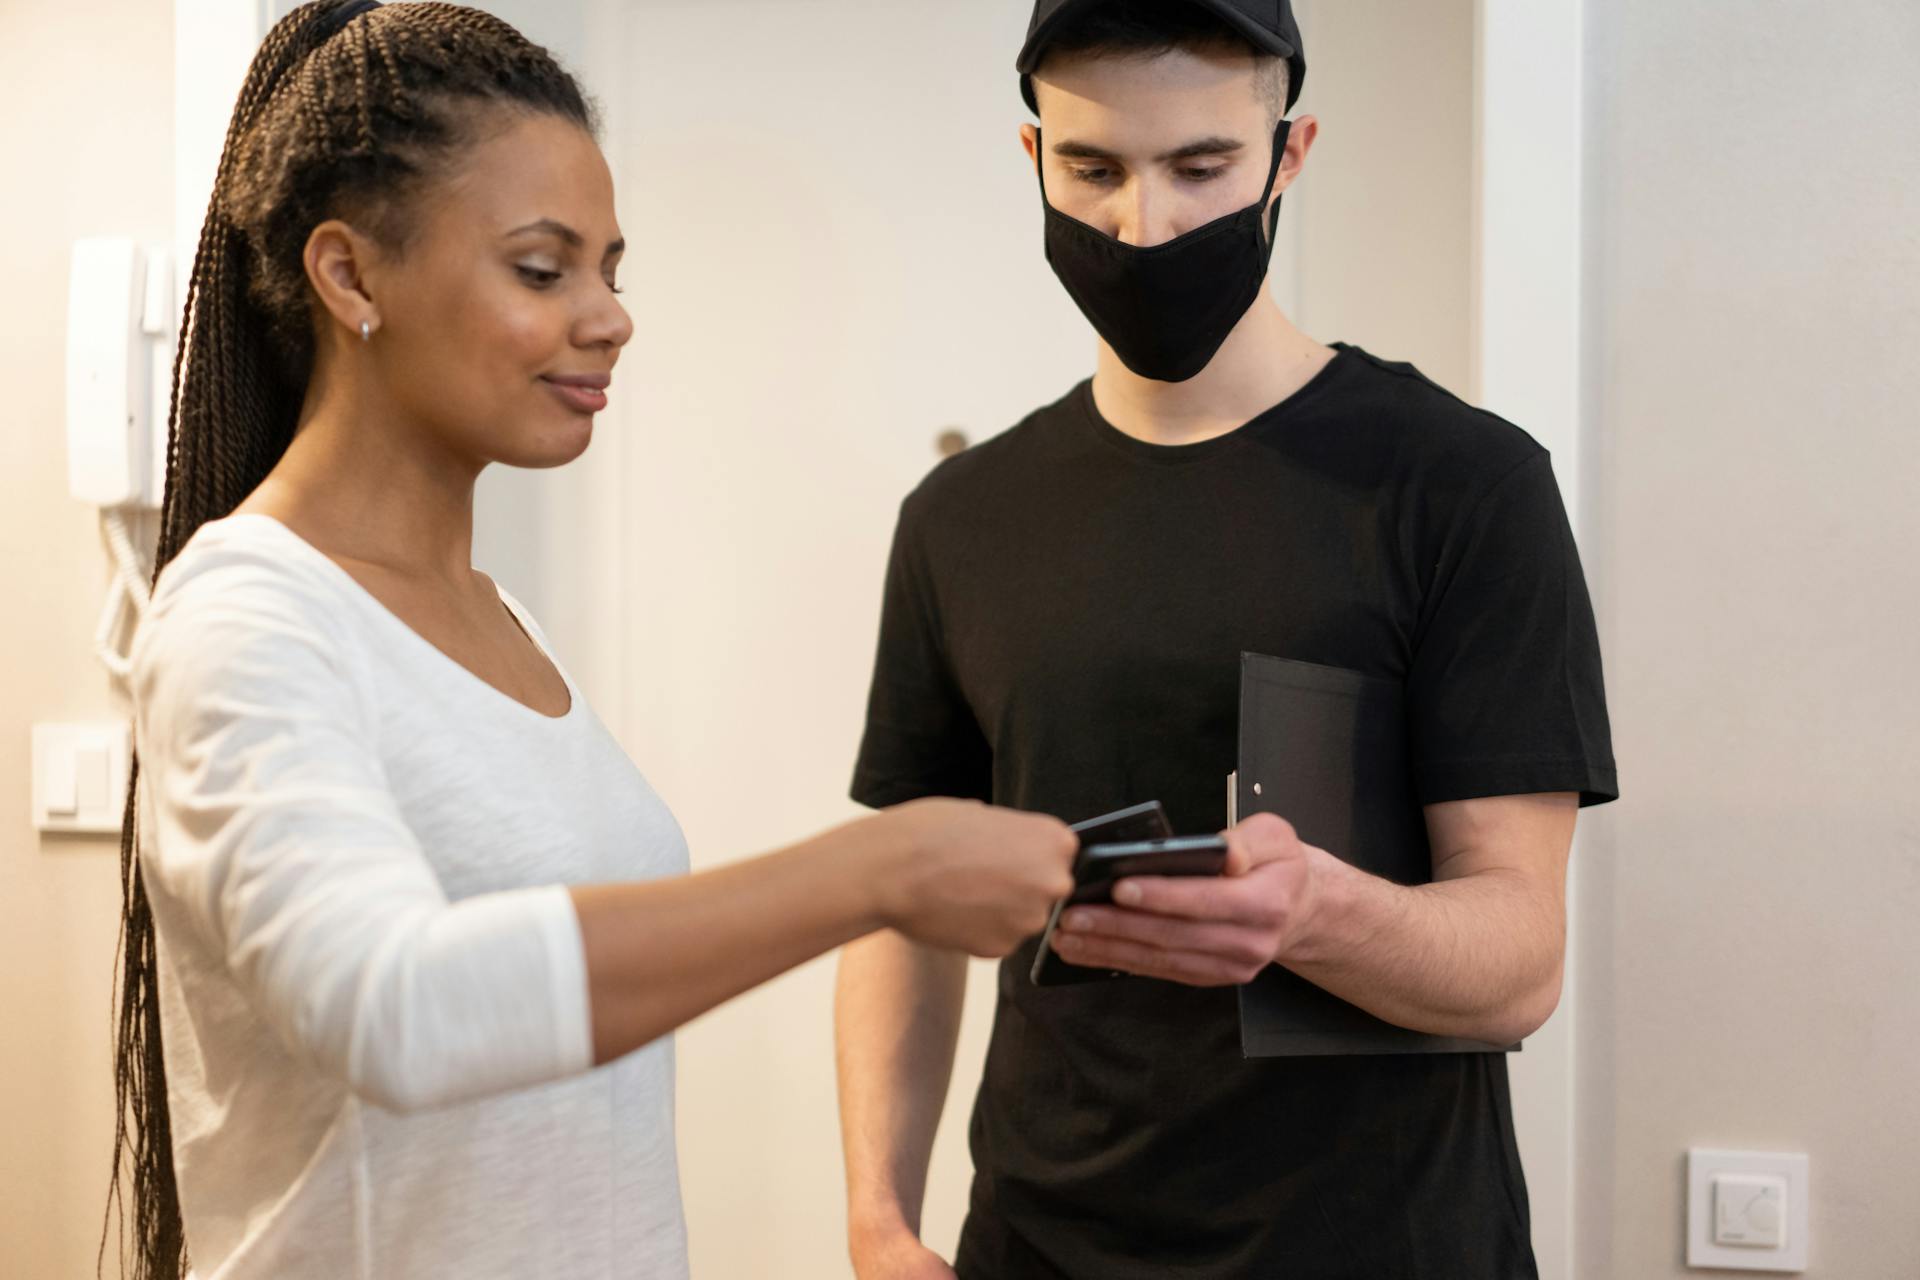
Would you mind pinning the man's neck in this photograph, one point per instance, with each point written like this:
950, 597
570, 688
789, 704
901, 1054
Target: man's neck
1263, 361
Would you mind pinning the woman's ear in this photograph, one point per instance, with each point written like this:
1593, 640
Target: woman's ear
336, 260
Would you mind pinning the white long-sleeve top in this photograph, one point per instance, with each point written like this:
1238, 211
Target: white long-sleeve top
373, 994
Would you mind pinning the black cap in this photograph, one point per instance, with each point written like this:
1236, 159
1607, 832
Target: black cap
1267, 24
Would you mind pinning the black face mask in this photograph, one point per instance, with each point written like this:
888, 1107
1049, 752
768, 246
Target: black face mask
1166, 309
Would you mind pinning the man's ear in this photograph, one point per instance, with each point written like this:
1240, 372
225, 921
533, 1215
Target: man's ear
1030, 139
1299, 142
336, 260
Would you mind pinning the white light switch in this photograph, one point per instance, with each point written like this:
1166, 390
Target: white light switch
80, 777
91, 771
60, 792
1746, 1210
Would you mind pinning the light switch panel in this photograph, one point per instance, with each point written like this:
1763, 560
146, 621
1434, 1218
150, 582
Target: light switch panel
1746, 1210
80, 777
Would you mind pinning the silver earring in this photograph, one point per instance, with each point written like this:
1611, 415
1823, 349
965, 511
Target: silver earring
366, 331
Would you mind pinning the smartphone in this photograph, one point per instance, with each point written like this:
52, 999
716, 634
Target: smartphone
1138, 822
1096, 869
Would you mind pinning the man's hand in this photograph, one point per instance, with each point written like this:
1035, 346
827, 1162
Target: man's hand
1205, 931
899, 1256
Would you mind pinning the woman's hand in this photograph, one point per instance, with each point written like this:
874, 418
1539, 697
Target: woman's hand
964, 876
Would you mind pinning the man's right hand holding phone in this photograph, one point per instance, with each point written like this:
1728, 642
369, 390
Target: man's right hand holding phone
1204, 931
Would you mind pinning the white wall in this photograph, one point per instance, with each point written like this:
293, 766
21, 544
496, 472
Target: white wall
1382, 222
1751, 903
85, 88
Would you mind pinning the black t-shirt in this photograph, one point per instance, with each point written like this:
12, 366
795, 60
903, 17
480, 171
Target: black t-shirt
1065, 611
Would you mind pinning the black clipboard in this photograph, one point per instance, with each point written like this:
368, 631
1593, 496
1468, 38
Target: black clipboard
1326, 748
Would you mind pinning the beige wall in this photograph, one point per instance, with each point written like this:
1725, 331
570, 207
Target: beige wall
1382, 220
1752, 902
85, 89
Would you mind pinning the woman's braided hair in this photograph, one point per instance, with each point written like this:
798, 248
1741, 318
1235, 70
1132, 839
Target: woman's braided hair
347, 111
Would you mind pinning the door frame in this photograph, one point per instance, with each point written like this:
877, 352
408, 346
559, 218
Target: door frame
1529, 139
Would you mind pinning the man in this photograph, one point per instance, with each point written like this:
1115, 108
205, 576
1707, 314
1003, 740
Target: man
1065, 612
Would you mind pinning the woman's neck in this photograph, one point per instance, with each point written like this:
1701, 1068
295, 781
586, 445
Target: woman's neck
363, 484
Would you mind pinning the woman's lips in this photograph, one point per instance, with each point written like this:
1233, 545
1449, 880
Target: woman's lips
583, 393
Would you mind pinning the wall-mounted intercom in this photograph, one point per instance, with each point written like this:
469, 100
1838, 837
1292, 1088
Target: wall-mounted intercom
119, 377
119, 361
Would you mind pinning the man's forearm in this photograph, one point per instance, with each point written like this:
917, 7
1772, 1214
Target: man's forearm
896, 1021
1479, 956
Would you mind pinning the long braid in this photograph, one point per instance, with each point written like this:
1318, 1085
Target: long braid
333, 120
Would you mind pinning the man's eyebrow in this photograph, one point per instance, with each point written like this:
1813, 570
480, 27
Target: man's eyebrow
551, 227
1203, 147
1082, 151
1216, 146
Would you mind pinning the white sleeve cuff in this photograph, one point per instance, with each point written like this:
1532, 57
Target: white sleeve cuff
567, 967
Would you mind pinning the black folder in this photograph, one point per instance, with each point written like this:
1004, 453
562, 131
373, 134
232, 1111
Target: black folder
1326, 749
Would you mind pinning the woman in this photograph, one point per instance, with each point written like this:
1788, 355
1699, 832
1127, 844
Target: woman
412, 930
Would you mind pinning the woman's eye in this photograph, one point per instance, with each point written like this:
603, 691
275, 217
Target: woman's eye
538, 277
